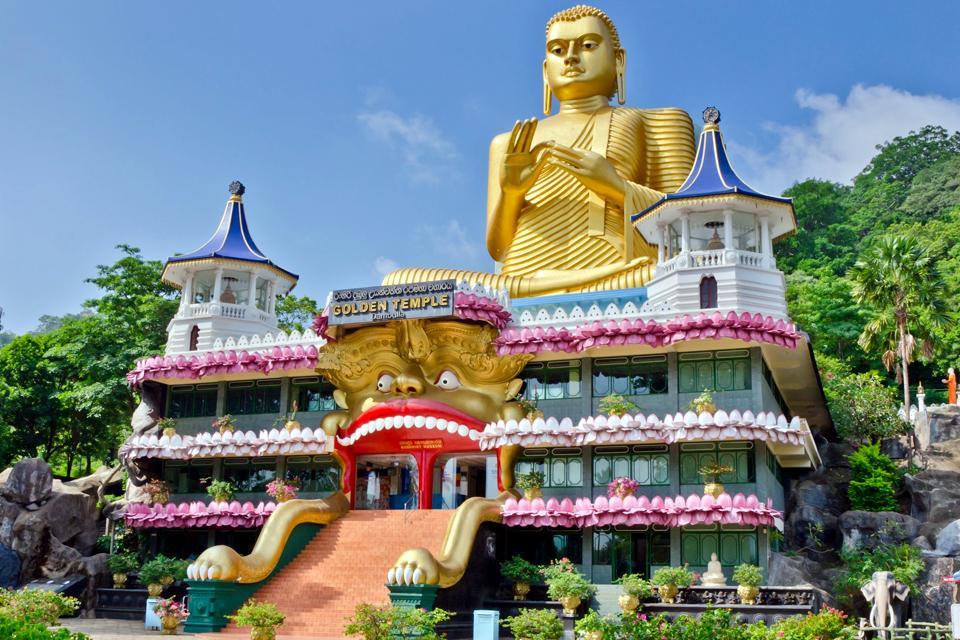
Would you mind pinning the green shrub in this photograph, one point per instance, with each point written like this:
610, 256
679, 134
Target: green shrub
384, 623
36, 605
155, 570
519, 570
565, 585
17, 629
749, 575
531, 480
535, 624
874, 479
829, 624
862, 406
221, 490
615, 404
122, 563
679, 576
902, 560
633, 584
259, 615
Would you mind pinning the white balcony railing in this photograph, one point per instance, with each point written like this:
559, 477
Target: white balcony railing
225, 310
714, 258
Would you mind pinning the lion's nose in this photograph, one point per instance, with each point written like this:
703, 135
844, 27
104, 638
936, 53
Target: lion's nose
408, 384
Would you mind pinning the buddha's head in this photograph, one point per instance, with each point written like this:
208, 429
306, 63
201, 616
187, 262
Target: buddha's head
431, 369
583, 56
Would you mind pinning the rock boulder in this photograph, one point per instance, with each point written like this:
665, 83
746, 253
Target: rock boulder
933, 602
948, 540
867, 529
934, 499
30, 482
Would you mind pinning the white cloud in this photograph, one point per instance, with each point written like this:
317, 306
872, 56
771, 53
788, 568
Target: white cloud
383, 265
425, 150
842, 137
450, 240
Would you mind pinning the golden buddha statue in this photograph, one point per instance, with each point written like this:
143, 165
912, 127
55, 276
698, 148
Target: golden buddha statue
562, 190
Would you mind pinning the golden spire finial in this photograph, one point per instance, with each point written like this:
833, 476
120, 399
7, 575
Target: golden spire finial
237, 190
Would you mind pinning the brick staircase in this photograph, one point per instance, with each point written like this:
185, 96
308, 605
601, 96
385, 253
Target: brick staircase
345, 564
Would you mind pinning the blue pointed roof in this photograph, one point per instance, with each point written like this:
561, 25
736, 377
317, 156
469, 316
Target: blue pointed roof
232, 239
712, 174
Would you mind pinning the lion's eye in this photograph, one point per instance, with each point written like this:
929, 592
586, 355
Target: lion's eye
448, 380
384, 382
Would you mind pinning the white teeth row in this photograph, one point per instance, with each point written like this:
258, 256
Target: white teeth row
404, 575
409, 422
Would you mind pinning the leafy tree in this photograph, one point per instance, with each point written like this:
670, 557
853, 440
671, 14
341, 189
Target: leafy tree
874, 479
822, 305
898, 278
296, 312
6, 337
823, 237
862, 407
934, 191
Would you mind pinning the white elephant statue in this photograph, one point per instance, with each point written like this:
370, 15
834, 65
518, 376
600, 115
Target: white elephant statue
882, 591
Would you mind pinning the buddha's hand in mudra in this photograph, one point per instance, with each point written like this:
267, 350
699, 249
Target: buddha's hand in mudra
522, 162
592, 169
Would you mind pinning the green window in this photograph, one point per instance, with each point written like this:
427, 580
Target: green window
738, 455
191, 476
540, 546
314, 474
193, 401
640, 375
717, 371
625, 552
552, 380
733, 546
649, 466
560, 467
311, 394
250, 475
245, 398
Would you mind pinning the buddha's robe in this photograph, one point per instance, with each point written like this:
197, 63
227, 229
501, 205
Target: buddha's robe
568, 238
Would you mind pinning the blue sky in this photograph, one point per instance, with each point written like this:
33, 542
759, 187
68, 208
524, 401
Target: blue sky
360, 129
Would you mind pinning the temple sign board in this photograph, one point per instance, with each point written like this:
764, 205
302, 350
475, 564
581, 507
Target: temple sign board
392, 302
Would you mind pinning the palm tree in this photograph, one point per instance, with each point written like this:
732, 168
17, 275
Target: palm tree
898, 278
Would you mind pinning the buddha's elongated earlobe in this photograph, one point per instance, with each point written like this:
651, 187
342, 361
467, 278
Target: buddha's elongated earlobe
621, 72
547, 94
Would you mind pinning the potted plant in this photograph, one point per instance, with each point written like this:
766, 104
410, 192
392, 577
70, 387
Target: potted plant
380, 622
748, 577
167, 426
703, 402
622, 487
221, 490
291, 422
263, 618
591, 626
152, 573
615, 404
521, 573
531, 483
569, 588
711, 478
669, 581
225, 423
171, 614
535, 624
282, 490
529, 407
158, 491
635, 589
120, 564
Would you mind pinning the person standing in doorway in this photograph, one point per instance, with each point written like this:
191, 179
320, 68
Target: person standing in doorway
373, 487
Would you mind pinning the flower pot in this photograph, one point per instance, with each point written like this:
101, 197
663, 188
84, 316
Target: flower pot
713, 488
166, 581
226, 429
169, 625
520, 590
119, 580
170, 432
709, 407
628, 603
290, 425
570, 604
532, 494
154, 590
263, 633
668, 593
748, 594
596, 634
623, 492
162, 497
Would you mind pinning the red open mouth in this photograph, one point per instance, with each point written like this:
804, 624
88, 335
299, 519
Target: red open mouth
413, 413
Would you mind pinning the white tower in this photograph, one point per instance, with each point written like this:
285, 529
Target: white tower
714, 238
228, 287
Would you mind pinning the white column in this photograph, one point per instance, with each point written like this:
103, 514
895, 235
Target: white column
728, 229
765, 247
660, 251
217, 283
252, 291
186, 297
271, 298
684, 232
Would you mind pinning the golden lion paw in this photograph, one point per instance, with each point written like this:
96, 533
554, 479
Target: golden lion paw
415, 566
216, 563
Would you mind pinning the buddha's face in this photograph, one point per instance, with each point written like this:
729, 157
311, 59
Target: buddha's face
428, 371
581, 60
